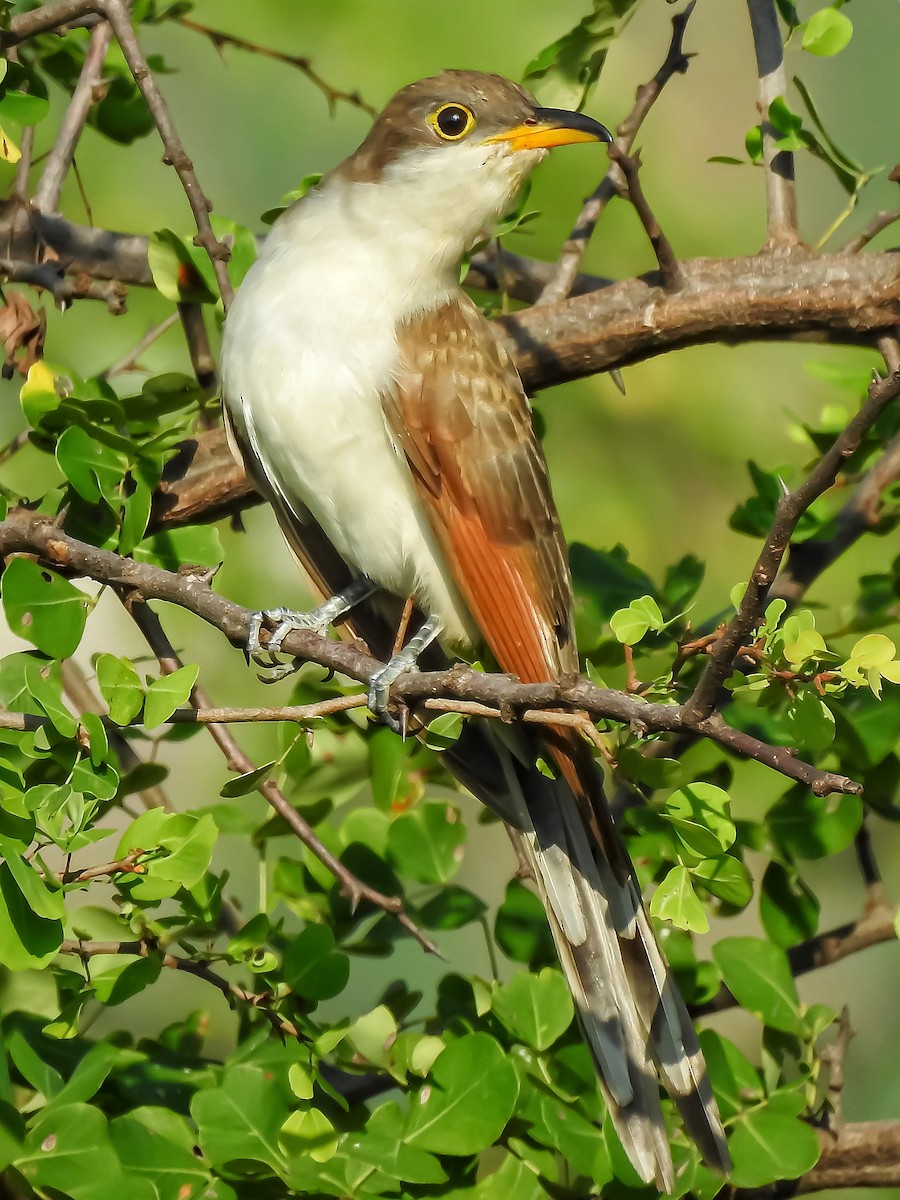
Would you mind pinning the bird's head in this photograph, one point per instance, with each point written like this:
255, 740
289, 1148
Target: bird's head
453, 150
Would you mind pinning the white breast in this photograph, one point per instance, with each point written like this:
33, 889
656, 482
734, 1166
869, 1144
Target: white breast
310, 347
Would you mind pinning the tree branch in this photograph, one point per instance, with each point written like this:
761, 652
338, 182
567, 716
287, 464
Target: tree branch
332, 95
562, 281
788, 512
839, 298
781, 193
71, 127
120, 20
202, 970
33, 533
45, 19
669, 268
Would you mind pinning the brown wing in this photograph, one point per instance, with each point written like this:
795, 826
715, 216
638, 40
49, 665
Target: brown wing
461, 415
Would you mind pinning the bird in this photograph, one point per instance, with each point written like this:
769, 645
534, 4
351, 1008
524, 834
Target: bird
381, 414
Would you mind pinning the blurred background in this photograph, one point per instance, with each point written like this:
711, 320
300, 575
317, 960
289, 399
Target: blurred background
659, 469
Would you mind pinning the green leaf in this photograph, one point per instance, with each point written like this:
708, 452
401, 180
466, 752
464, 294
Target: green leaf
21, 108
373, 1035
426, 844
43, 900
767, 1145
803, 825
471, 1098
242, 1118
827, 32
388, 765
12, 1134
655, 772
564, 73
156, 1145
43, 608
120, 687
243, 785
735, 1081
451, 908
809, 720
190, 545
700, 814
94, 470
521, 929
535, 1008
90, 1074
32, 1066
580, 1141
68, 1149
759, 977
312, 966
788, 908
27, 940
381, 1146
44, 682
167, 693
117, 977
676, 901
180, 270
632, 623
725, 877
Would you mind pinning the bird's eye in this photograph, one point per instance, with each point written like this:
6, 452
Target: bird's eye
452, 121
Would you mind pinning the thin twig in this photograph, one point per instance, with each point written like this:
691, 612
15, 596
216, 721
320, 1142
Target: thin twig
195, 334
629, 164
781, 192
562, 282
129, 362
880, 221
300, 62
45, 19
202, 970
52, 277
789, 510
71, 127
122, 866
119, 18
351, 886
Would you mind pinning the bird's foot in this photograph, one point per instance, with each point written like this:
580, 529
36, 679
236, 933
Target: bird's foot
399, 664
287, 620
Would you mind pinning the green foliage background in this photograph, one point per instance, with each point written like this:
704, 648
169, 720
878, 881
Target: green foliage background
660, 471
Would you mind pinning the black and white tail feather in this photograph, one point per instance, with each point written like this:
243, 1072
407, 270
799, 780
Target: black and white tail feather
634, 1019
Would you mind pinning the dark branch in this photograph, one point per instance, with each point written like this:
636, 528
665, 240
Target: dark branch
120, 19
563, 280
788, 512
670, 270
71, 127
30, 533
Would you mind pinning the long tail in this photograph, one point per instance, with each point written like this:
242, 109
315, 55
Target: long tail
634, 1019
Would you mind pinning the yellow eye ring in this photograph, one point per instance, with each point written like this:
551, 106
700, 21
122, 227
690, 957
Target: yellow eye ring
452, 121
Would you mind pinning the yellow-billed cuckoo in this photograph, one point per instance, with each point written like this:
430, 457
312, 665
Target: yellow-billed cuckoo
380, 412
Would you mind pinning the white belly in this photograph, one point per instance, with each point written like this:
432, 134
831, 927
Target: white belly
308, 351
